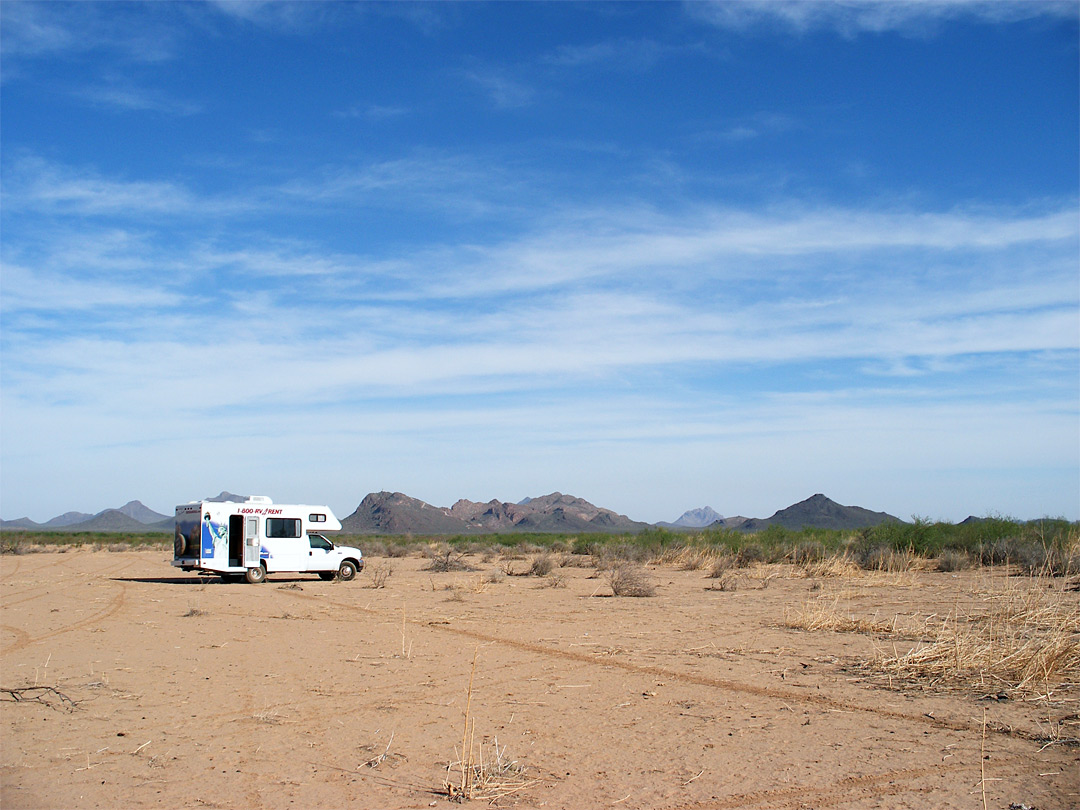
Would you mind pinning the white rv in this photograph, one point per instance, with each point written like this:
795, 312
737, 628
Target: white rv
257, 537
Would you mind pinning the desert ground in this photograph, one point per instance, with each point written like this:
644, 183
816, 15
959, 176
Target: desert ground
127, 683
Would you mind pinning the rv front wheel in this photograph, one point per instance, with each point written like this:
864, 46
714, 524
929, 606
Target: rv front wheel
347, 571
256, 574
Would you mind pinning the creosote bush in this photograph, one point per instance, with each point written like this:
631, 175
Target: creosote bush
446, 558
952, 560
542, 565
629, 579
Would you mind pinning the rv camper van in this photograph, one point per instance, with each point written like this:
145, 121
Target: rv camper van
258, 537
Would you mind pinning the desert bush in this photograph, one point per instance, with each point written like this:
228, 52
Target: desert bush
373, 548
445, 558
542, 565
998, 551
629, 579
952, 560
749, 554
380, 574
555, 580
11, 543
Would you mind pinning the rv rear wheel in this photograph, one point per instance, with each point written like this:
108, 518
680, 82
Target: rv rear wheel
347, 571
256, 574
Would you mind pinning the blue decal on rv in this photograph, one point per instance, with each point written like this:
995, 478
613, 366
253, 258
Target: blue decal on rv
213, 534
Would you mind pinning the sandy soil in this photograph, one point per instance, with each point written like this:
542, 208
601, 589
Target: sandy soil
303, 693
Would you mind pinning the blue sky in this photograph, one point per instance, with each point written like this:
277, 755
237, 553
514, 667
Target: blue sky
657, 256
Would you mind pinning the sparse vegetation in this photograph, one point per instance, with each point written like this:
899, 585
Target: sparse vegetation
1022, 636
445, 558
380, 574
629, 579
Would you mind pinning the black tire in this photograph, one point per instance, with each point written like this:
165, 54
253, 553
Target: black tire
179, 545
327, 575
347, 571
255, 575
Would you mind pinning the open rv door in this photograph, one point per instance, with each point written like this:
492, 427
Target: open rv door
251, 541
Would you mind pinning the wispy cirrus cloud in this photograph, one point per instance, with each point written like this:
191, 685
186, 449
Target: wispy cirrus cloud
125, 96
619, 54
504, 91
32, 30
871, 16
373, 112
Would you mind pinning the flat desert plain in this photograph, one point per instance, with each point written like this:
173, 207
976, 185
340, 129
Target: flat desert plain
162, 689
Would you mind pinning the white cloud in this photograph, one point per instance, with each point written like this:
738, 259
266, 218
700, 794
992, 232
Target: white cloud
36, 184
504, 91
619, 54
852, 17
34, 29
127, 97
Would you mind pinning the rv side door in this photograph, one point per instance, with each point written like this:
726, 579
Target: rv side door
251, 541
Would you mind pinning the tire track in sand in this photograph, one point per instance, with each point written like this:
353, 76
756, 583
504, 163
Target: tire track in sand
724, 684
889, 783
24, 639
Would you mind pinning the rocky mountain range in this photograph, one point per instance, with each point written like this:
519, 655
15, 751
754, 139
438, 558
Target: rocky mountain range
397, 513
133, 516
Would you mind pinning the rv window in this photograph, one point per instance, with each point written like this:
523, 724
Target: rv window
283, 527
318, 541
317, 518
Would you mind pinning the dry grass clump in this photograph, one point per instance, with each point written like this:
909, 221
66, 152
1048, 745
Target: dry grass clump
629, 579
540, 566
882, 558
487, 779
720, 566
727, 581
1027, 639
818, 615
831, 567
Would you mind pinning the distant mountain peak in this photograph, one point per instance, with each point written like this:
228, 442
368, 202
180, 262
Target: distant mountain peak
140, 512
699, 518
820, 512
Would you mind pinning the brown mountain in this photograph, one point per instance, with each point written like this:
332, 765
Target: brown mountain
818, 512
395, 513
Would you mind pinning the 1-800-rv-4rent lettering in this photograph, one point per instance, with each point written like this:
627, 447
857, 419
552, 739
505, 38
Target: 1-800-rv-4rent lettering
258, 537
